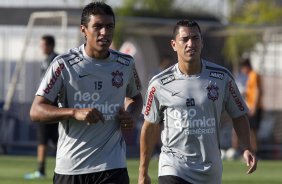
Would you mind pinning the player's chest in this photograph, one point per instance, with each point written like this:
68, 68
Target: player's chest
189, 93
99, 79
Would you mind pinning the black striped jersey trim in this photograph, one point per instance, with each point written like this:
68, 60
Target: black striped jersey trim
121, 54
166, 72
122, 58
221, 70
71, 58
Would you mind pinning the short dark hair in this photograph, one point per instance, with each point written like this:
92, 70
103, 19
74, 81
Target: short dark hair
185, 23
50, 40
246, 62
95, 8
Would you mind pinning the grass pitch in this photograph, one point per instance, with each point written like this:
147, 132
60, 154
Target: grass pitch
12, 169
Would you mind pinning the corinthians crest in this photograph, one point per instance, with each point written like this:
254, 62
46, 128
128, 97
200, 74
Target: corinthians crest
117, 80
212, 92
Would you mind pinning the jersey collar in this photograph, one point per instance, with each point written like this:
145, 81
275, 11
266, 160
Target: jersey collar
88, 58
190, 76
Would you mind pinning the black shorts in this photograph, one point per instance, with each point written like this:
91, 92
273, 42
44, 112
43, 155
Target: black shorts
255, 120
114, 176
170, 179
46, 132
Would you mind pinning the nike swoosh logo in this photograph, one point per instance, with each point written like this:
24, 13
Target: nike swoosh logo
174, 93
81, 76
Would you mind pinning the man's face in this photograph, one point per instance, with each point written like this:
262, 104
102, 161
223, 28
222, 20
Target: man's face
188, 44
46, 49
245, 70
99, 33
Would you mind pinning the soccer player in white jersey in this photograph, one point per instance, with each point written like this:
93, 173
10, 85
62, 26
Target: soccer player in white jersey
92, 83
188, 98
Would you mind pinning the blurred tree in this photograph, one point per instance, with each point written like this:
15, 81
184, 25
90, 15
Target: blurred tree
163, 8
246, 15
159, 7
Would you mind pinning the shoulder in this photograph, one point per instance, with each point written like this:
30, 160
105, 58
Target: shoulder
165, 76
52, 56
122, 58
217, 71
72, 57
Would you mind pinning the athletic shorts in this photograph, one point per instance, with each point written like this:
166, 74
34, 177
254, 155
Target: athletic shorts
114, 176
255, 120
46, 132
170, 179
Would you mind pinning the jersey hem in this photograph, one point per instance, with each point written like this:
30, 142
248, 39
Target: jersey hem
88, 171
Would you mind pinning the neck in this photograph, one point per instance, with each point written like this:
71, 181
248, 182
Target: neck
190, 68
96, 54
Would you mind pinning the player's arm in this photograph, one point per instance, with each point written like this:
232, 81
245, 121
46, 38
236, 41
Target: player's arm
133, 108
147, 143
242, 129
43, 111
133, 101
134, 105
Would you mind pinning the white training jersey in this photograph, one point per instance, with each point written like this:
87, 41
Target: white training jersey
190, 108
83, 82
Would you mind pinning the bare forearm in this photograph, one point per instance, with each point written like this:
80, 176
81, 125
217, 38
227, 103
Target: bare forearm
147, 143
43, 111
51, 114
242, 129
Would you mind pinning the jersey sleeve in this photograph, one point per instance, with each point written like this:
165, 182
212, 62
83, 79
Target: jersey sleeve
52, 81
134, 85
234, 103
151, 110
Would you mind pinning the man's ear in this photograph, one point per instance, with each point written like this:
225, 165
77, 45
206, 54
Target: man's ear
82, 29
172, 42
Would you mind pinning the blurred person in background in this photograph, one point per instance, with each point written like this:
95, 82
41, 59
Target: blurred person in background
165, 62
91, 82
189, 98
252, 92
45, 132
253, 97
234, 152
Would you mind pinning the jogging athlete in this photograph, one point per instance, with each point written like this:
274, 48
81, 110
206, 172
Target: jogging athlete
189, 98
92, 83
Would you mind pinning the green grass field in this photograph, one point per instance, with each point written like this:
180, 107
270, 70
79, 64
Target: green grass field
12, 169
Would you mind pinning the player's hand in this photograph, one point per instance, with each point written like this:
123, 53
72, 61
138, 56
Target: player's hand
90, 115
251, 161
126, 119
144, 179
